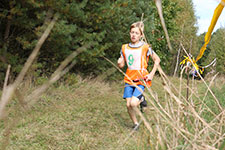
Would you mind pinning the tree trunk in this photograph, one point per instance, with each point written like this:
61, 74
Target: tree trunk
178, 56
159, 8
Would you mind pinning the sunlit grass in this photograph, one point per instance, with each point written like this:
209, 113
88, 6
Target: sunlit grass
91, 114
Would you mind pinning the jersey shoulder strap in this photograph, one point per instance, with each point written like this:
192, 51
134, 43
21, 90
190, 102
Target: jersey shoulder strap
123, 50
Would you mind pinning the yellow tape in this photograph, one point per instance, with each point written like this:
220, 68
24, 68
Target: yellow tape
216, 15
207, 39
196, 66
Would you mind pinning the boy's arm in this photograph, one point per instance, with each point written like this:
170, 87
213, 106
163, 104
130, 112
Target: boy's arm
156, 60
121, 62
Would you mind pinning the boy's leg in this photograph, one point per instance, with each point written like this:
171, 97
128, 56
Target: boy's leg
143, 103
135, 102
131, 94
137, 96
128, 92
131, 111
138, 93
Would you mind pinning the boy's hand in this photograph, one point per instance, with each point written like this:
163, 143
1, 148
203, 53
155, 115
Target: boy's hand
149, 77
121, 62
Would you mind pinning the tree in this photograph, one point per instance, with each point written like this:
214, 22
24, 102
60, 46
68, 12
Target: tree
180, 21
217, 46
105, 24
185, 22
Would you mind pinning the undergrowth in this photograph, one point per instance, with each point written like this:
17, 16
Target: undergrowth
90, 114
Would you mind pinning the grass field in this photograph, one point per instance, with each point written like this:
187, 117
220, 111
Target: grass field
90, 114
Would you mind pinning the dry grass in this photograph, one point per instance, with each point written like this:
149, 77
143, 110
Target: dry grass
84, 116
27, 100
91, 114
185, 122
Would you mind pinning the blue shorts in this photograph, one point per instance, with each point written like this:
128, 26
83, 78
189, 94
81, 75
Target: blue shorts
130, 91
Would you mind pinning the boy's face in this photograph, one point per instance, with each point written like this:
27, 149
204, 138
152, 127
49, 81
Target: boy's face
135, 35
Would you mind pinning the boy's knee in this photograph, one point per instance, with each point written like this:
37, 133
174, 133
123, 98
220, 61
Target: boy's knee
134, 102
128, 102
128, 105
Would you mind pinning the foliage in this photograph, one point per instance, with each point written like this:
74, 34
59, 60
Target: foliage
218, 50
105, 24
157, 38
215, 49
185, 22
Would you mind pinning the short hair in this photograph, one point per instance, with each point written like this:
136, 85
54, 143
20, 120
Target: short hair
139, 25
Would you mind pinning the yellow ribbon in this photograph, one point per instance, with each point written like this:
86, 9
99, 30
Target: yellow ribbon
207, 39
190, 60
216, 15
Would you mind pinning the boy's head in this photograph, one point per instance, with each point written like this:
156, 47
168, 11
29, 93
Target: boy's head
139, 25
136, 32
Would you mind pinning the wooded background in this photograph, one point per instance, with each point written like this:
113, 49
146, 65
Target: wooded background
104, 24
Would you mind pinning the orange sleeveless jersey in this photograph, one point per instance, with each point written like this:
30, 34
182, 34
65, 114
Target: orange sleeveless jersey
137, 62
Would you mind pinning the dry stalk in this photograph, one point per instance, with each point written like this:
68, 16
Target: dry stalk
197, 116
165, 115
192, 87
192, 141
181, 77
120, 144
202, 102
193, 111
5, 87
159, 135
192, 92
217, 117
220, 139
204, 82
60, 71
201, 110
30, 100
178, 56
6, 78
9, 91
168, 90
211, 82
159, 8
180, 95
146, 123
137, 111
